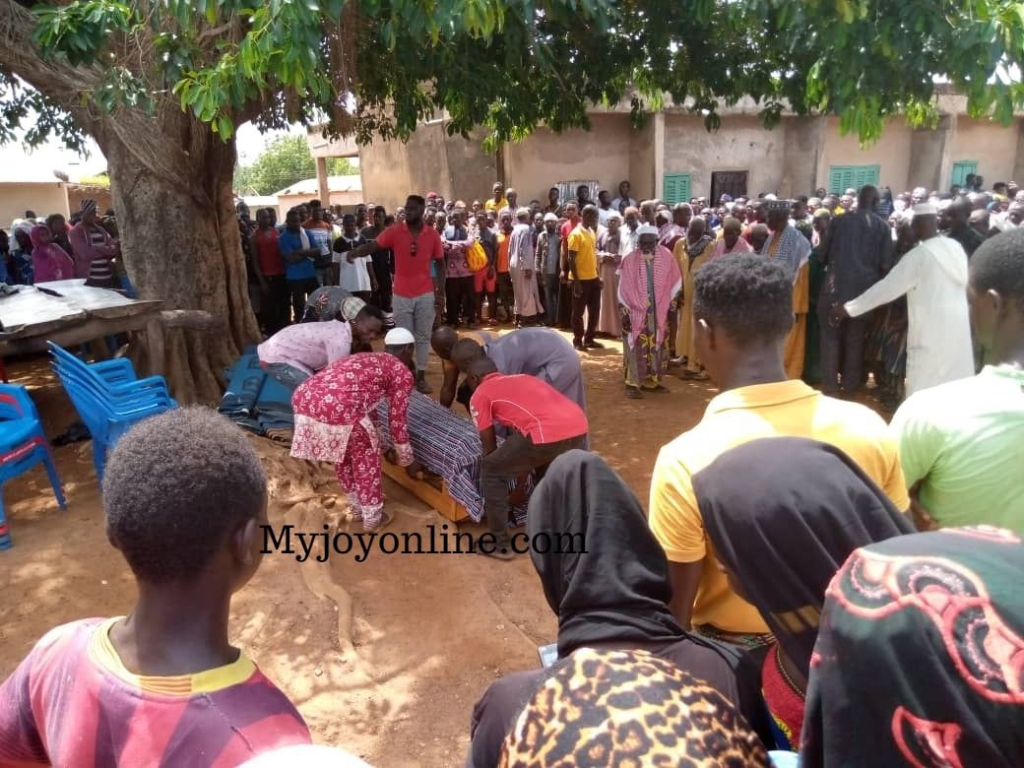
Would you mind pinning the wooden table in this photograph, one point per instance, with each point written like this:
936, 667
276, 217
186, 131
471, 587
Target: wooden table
78, 315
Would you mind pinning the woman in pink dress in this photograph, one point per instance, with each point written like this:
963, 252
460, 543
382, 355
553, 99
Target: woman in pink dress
49, 260
336, 420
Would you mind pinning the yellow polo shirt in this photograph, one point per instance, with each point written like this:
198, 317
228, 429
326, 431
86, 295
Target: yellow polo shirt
584, 242
490, 205
735, 417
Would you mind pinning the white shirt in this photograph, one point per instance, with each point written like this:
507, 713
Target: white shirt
934, 278
354, 276
620, 203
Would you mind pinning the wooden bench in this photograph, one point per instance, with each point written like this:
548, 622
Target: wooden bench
427, 493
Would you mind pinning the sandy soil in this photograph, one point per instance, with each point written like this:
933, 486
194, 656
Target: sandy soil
384, 657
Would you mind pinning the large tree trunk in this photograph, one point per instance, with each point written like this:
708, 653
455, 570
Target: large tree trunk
171, 183
175, 214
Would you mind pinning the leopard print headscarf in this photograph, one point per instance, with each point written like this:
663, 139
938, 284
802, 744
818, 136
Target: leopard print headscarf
628, 709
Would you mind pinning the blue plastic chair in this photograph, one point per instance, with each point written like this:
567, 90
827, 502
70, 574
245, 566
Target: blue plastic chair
22, 446
109, 398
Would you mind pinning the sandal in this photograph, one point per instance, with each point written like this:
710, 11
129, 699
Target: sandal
499, 550
634, 393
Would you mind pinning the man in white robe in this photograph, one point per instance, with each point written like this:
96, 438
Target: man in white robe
933, 276
522, 264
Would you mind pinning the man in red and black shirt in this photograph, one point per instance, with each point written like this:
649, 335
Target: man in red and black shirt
543, 424
415, 245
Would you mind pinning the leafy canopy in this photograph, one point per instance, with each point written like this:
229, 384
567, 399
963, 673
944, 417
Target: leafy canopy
377, 67
285, 161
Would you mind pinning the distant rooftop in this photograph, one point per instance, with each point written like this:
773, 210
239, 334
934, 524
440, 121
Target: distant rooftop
352, 183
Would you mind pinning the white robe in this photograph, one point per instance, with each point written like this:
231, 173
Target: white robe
934, 278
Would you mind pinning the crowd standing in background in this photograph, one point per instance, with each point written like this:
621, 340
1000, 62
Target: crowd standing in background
806, 579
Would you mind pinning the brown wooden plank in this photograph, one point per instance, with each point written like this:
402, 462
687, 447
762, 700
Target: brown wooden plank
80, 333
425, 492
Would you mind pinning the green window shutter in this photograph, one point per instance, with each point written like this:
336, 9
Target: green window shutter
676, 188
962, 170
864, 175
844, 177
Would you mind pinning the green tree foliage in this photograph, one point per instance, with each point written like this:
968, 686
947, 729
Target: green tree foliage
285, 161
512, 64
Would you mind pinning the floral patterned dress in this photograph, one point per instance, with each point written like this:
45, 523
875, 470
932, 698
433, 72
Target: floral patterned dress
335, 420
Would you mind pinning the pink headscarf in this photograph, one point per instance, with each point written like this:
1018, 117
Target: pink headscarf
49, 260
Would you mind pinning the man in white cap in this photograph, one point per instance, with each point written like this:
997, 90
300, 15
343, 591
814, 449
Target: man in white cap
933, 276
649, 279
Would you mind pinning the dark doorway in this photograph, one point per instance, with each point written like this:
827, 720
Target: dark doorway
732, 183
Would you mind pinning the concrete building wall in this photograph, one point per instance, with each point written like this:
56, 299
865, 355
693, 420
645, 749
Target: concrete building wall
42, 198
1018, 166
641, 162
473, 171
546, 158
102, 196
892, 152
740, 144
347, 200
431, 161
802, 152
988, 143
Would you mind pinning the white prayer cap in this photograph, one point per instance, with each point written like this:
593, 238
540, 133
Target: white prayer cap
646, 229
398, 337
926, 209
550, 217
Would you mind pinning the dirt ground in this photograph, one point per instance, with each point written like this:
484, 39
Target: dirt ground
385, 657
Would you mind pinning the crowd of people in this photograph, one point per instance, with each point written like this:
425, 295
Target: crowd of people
623, 269
807, 582
40, 250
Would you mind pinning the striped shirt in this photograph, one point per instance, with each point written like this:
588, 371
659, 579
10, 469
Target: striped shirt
72, 702
99, 269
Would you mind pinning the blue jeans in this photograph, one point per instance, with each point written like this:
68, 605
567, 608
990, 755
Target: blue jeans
551, 286
288, 375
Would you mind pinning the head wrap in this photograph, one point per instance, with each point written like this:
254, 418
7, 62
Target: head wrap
617, 589
399, 337
918, 657
646, 229
351, 306
550, 217
36, 234
782, 515
88, 205
629, 708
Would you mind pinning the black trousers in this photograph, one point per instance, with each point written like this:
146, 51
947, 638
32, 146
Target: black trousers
506, 296
460, 300
382, 271
300, 290
275, 304
516, 456
589, 300
842, 352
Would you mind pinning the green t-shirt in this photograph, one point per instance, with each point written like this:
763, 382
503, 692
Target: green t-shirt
965, 440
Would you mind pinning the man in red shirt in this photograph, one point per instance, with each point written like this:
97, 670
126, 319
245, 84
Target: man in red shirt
415, 245
543, 424
268, 264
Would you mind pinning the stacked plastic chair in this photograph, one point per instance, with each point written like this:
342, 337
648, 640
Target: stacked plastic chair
22, 446
109, 398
